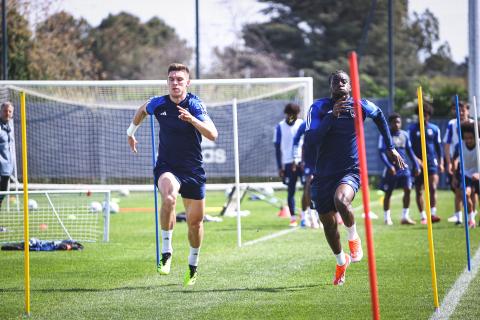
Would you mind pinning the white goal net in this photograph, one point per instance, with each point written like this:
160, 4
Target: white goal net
78, 215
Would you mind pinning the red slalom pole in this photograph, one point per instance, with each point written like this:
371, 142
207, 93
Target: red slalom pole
364, 182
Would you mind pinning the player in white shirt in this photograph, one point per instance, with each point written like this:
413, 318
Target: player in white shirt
283, 137
470, 169
450, 140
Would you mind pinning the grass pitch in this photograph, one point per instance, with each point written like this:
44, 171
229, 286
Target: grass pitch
288, 277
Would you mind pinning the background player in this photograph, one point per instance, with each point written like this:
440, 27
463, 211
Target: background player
434, 161
331, 129
183, 121
450, 140
304, 158
394, 177
470, 169
283, 136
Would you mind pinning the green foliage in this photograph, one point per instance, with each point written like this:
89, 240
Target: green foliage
19, 45
62, 50
130, 49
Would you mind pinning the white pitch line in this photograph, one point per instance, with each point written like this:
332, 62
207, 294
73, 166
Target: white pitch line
270, 236
452, 299
287, 231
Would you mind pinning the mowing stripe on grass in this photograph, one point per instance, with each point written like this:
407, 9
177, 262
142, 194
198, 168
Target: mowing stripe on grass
452, 299
270, 236
287, 231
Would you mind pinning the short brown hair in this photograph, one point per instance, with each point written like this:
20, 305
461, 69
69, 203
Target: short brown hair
178, 67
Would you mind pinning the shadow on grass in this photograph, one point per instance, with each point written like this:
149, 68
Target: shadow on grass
259, 289
53, 290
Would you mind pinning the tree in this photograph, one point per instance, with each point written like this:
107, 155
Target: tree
19, 44
316, 36
129, 49
62, 50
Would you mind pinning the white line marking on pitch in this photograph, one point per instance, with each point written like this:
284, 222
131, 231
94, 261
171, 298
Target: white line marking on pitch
452, 299
287, 231
270, 236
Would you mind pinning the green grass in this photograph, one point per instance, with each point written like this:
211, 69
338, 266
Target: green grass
288, 277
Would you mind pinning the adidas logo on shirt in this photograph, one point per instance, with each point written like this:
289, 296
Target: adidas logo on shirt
164, 113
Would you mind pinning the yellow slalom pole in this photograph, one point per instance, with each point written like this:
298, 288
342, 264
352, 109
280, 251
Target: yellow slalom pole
26, 236
427, 197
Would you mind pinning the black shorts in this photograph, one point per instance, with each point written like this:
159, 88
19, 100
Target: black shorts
323, 190
192, 184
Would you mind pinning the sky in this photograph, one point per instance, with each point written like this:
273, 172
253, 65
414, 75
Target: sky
221, 20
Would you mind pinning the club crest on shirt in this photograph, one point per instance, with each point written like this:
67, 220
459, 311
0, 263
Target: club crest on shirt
347, 112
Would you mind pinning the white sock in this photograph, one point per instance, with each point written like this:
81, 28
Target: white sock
386, 215
303, 215
167, 241
458, 215
193, 256
424, 215
352, 232
405, 213
472, 216
434, 211
341, 258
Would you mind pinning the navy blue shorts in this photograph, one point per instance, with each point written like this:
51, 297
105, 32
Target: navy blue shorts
419, 178
192, 184
324, 188
469, 182
402, 179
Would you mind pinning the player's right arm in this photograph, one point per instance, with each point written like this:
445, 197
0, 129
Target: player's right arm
382, 149
319, 122
277, 140
140, 114
447, 140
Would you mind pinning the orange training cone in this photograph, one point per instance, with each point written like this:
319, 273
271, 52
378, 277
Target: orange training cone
284, 212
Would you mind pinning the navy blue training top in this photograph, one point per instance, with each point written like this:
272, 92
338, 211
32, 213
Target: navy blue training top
335, 138
179, 141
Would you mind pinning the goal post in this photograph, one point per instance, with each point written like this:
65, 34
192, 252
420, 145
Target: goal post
76, 131
56, 215
84, 123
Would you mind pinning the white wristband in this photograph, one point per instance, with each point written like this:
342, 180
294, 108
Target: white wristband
131, 130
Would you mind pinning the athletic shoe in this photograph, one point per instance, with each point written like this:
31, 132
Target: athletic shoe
356, 252
423, 221
372, 215
435, 218
190, 276
407, 221
340, 272
471, 224
453, 218
293, 222
164, 265
388, 221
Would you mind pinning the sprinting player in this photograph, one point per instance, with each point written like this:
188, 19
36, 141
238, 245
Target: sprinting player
434, 161
183, 121
470, 169
283, 136
331, 129
393, 177
449, 142
304, 159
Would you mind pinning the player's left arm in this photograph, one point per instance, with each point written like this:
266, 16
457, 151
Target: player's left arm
200, 120
374, 112
439, 150
411, 155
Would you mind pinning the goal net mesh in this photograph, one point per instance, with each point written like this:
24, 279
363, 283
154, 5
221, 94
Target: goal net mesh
76, 132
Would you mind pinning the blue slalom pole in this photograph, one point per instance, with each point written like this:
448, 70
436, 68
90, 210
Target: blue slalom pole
465, 209
152, 127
